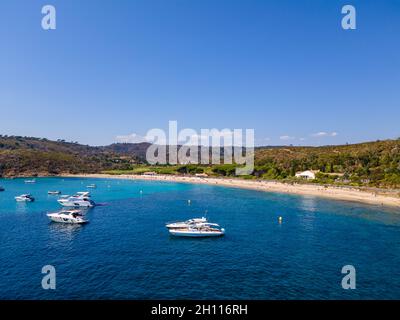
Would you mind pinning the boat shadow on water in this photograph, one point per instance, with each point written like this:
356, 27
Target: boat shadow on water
103, 204
196, 239
64, 231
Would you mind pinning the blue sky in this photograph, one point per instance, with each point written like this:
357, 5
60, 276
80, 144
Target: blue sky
283, 68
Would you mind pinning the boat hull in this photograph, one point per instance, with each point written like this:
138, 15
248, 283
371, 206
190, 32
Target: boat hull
204, 234
67, 220
83, 204
24, 200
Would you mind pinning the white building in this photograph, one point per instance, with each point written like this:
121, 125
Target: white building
308, 175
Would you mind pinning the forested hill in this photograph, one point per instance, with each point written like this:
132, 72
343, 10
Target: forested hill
32, 156
371, 163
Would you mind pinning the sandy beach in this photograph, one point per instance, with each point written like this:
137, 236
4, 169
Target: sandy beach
332, 192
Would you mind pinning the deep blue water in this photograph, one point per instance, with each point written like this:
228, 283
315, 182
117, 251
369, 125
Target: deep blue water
125, 252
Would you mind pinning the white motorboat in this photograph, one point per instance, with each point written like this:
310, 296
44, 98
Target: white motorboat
54, 192
199, 231
185, 224
67, 216
78, 194
30, 181
25, 198
93, 186
77, 201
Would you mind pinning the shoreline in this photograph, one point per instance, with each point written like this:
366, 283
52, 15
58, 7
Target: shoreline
330, 192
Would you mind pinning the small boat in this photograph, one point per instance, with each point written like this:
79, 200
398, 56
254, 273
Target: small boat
25, 198
2, 189
199, 231
67, 216
30, 181
76, 201
185, 224
93, 186
54, 192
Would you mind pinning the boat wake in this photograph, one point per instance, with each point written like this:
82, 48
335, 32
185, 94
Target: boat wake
104, 204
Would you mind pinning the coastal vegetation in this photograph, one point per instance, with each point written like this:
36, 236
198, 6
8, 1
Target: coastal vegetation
26, 156
373, 164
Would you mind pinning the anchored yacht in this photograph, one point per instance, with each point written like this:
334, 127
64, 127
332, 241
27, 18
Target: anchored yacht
81, 199
67, 216
25, 198
54, 192
199, 230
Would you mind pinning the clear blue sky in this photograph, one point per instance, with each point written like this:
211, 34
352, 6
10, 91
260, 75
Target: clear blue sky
285, 68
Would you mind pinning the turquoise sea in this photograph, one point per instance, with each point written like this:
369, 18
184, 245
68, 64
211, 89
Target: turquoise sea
125, 252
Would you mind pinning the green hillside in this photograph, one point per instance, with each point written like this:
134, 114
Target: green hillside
375, 164
34, 156
371, 163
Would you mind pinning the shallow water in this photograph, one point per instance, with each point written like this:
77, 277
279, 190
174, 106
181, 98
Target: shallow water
125, 252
